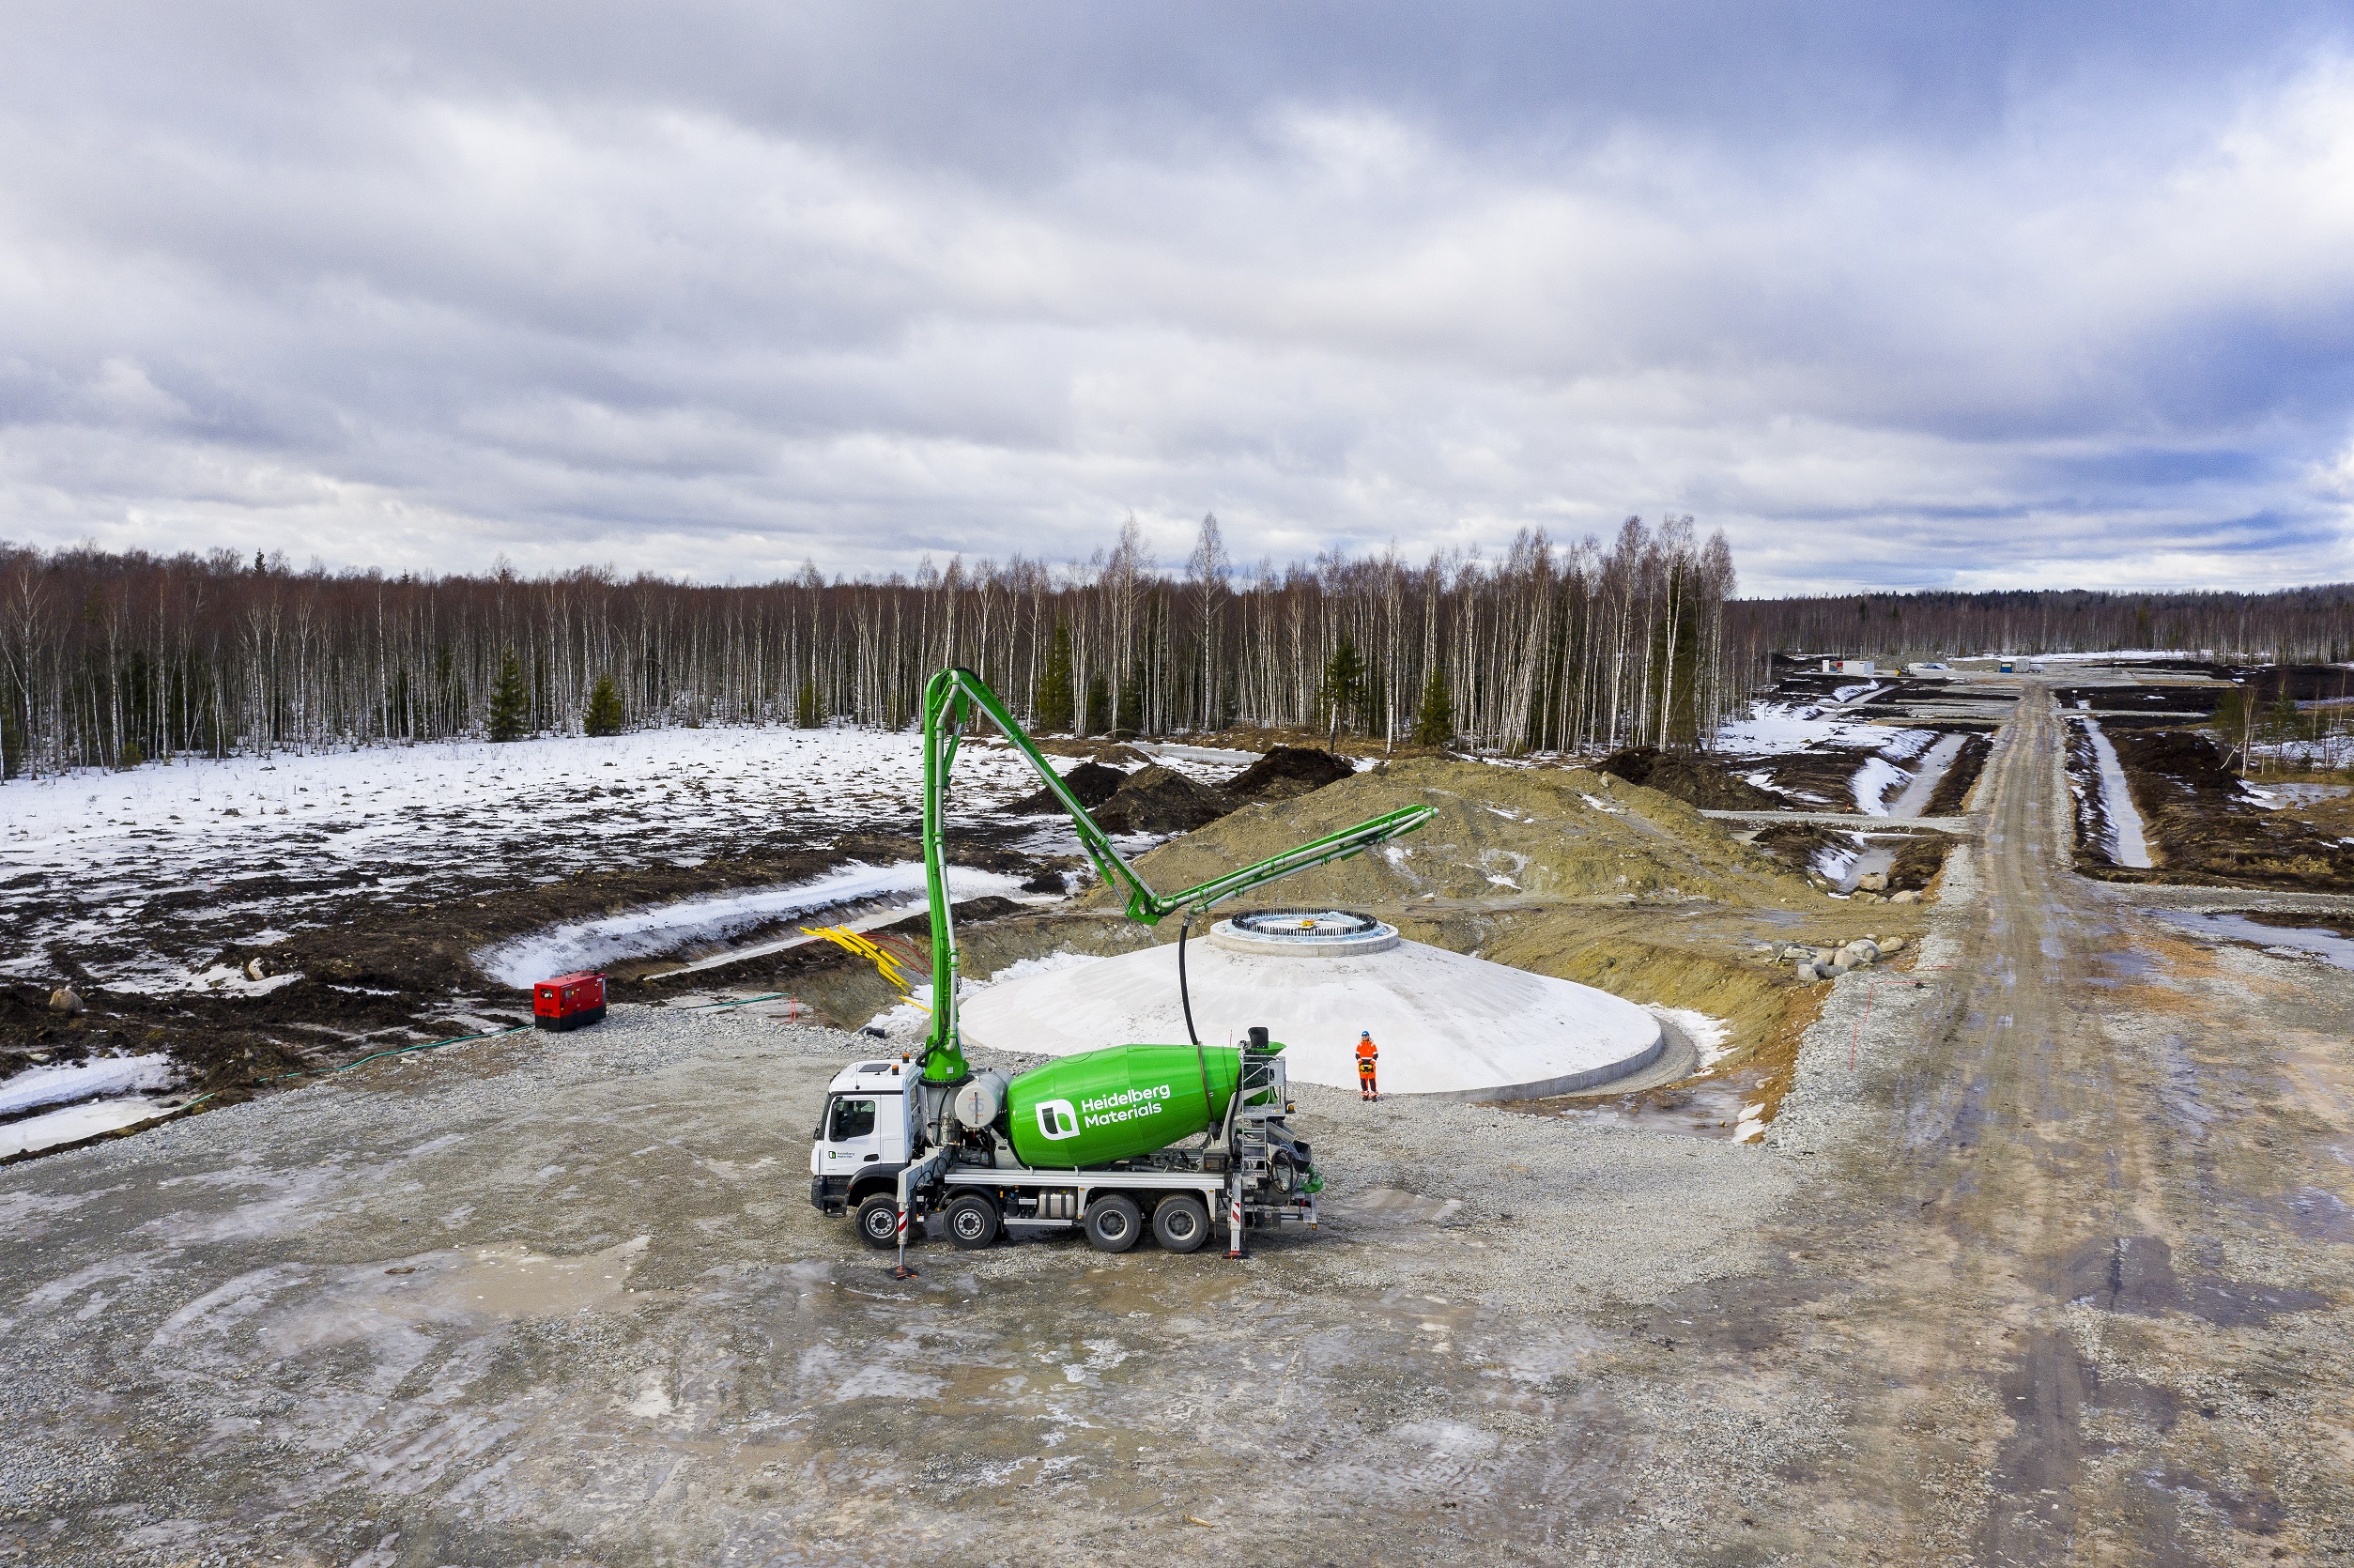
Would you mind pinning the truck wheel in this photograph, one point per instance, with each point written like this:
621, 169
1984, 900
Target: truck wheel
971, 1221
1180, 1223
879, 1221
1114, 1224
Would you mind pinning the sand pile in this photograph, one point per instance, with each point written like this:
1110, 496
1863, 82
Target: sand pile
1500, 833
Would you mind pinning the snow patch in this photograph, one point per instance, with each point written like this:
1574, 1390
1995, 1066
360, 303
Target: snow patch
588, 944
63, 1084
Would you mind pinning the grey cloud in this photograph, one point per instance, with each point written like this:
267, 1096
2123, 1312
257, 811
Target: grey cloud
1879, 290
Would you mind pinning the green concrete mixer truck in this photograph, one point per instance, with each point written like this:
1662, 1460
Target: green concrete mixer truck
1182, 1139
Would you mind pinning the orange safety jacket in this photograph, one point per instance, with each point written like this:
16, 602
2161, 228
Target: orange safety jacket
1365, 1055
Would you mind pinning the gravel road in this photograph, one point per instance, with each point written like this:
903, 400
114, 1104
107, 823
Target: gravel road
2046, 1258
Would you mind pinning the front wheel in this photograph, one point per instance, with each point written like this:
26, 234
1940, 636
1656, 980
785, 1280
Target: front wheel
1114, 1224
971, 1221
879, 1221
1180, 1223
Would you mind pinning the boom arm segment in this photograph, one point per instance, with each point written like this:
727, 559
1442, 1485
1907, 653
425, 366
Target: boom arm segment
950, 699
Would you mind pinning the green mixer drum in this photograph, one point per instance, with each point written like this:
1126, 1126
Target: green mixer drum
1117, 1103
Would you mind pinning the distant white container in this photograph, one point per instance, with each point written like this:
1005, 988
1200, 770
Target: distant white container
1851, 667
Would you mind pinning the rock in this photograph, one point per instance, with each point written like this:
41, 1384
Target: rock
1287, 771
1807, 973
1910, 896
257, 970
1873, 881
65, 999
1893, 944
1858, 953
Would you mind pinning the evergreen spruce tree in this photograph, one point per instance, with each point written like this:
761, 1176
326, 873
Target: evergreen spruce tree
1099, 705
604, 716
1057, 705
510, 704
808, 711
1344, 684
1132, 716
1434, 722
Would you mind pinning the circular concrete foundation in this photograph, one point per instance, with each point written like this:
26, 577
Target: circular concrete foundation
1448, 1026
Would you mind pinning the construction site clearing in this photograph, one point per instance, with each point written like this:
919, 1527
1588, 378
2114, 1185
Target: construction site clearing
1971, 1206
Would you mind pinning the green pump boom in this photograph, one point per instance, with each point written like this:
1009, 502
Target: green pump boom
951, 698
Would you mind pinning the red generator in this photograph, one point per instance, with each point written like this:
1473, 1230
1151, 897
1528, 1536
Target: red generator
569, 1001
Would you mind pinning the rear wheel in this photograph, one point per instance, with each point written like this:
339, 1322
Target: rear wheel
971, 1221
1114, 1224
879, 1221
1180, 1223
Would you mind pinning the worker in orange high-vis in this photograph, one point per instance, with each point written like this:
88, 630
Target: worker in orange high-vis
1366, 1055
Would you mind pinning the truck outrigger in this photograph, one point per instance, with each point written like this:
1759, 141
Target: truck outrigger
1100, 1141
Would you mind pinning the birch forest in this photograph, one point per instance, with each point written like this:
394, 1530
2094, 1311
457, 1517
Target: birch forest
110, 660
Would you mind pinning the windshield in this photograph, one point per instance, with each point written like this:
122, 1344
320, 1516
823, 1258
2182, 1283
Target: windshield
853, 1119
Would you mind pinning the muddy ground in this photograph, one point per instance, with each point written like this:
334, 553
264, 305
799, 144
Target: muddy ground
2201, 823
2047, 1257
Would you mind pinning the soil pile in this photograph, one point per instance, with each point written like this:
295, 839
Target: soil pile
1499, 833
1161, 800
1286, 772
2202, 827
1689, 780
1091, 782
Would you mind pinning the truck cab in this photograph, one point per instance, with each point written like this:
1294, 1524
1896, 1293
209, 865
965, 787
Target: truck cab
866, 1134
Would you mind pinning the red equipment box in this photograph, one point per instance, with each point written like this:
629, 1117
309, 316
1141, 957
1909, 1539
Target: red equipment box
569, 1001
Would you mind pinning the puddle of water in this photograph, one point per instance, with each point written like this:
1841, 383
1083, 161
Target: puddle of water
2225, 927
2126, 846
1712, 1108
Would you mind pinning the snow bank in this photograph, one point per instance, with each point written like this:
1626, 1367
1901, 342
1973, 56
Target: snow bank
63, 1086
659, 928
1873, 782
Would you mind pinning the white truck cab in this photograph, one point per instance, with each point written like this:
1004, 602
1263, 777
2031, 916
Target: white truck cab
865, 1133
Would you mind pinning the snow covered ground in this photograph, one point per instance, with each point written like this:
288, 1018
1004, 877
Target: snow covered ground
658, 929
105, 867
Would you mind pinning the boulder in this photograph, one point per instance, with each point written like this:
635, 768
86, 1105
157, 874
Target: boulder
1873, 881
1910, 896
256, 969
1892, 944
65, 999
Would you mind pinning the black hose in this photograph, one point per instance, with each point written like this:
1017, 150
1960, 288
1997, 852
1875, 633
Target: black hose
1185, 996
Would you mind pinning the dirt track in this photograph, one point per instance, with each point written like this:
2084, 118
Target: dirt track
2058, 1270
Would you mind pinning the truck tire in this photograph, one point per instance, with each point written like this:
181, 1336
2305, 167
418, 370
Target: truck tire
1114, 1224
1180, 1223
879, 1221
971, 1221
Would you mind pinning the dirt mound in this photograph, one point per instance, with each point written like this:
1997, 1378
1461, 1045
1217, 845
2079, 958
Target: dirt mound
1121, 755
1499, 833
1091, 782
1689, 780
1159, 800
1286, 772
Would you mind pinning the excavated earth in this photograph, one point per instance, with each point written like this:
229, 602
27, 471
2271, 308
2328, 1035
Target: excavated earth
2046, 1255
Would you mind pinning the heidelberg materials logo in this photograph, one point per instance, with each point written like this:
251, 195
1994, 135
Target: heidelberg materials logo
1057, 1119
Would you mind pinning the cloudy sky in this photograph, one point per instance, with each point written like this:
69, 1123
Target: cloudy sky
1909, 295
